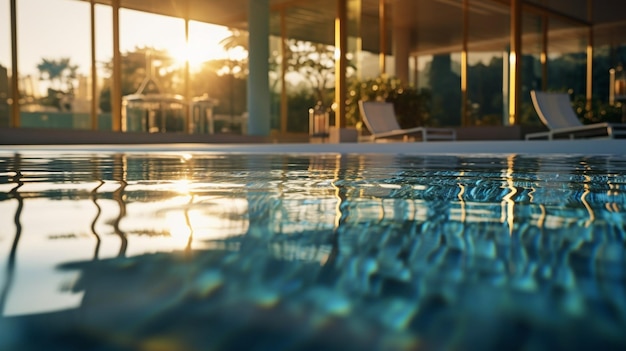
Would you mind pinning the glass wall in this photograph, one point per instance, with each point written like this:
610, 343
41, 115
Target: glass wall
567, 58
442, 73
54, 62
104, 58
488, 40
309, 62
217, 63
153, 79
5, 63
532, 73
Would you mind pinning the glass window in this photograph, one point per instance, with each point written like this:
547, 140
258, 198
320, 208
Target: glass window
153, 52
567, 57
532, 67
442, 73
54, 63
488, 40
310, 64
104, 57
210, 85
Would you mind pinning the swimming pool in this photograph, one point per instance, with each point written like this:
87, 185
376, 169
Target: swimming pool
158, 250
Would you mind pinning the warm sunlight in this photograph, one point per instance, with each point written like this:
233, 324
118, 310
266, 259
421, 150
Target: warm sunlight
179, 228
203, 45
137, 29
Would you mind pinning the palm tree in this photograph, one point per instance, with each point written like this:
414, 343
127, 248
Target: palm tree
237, 39
60, 73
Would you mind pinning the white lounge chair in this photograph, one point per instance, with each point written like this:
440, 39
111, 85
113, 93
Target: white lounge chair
380, 119
556, 112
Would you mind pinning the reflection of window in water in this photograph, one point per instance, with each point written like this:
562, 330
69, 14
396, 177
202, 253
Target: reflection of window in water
327, 210
10, 268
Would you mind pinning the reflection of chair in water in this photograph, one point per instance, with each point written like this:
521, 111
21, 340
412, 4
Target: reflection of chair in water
380, 119
556, 112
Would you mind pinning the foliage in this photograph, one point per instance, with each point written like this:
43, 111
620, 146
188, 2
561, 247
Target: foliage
411, 105
600, 111
62, 75
485, 97
228, 89
237, 48
315, 63
298, 105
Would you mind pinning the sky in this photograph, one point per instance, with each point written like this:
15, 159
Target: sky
55, 29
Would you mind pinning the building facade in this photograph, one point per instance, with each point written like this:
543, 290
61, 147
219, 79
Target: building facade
477, 60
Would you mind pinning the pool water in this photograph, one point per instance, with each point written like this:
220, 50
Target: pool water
174, 251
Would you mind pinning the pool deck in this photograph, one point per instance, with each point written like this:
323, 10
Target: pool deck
42, 140
565, 147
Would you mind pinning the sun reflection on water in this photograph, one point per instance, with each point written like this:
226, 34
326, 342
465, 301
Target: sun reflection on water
376, 241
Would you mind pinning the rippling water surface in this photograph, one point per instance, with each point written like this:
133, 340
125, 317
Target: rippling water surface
174, 251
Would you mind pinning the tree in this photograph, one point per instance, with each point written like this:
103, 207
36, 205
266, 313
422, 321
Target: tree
61, 75
315, 63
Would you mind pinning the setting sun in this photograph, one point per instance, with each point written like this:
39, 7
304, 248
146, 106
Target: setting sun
203, 45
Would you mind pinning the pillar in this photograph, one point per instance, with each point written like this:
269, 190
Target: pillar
94, 77
258, 63
341, 62
15, 94
382, 27
515, 61
402, 13
116, 86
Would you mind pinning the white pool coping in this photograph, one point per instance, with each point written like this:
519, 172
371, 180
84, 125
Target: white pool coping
517, 147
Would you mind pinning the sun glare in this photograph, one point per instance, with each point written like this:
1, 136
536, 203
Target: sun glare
192, 55
204, 45
179, 228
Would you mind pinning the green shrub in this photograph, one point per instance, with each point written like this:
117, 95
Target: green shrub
412, 106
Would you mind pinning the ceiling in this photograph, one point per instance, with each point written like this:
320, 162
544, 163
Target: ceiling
435, 25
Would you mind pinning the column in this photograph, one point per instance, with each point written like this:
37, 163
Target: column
340, 133
382, 25
589, 87
94, 80
515, 61
15, 94
402, 13
258, 63
116, 87
401, 40
341, 62
283, 73
464, 66
188, 98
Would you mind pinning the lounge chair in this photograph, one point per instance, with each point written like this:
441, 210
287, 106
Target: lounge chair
380, 119
556, 112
